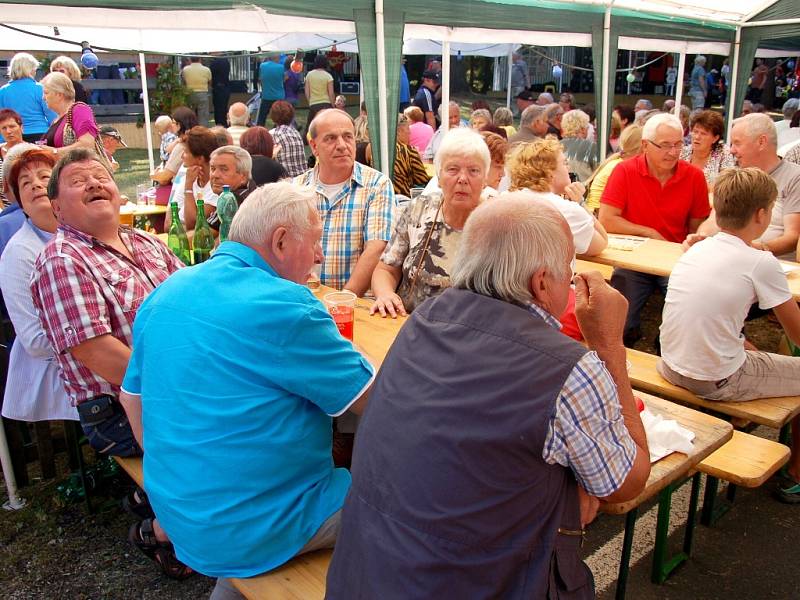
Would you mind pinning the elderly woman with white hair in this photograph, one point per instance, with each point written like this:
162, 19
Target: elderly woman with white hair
698, 85
67, 66
23, 95
579, 150
75, 126
416, 262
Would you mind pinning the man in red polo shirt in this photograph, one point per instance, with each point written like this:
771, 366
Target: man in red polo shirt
654, 195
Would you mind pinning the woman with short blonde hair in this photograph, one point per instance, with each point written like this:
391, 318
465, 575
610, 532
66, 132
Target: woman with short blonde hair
581, 152
67, 66
25, 96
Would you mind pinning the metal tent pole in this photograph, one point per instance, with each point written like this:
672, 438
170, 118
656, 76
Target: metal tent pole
146, 101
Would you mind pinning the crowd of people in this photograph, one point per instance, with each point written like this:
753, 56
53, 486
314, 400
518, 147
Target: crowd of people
508, 380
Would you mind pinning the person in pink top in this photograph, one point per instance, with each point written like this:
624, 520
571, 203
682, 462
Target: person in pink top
421, 132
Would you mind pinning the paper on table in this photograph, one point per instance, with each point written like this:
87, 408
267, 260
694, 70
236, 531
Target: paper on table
625, 242
788, 267
665, 436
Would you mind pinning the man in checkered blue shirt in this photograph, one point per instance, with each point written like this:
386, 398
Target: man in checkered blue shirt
355, 203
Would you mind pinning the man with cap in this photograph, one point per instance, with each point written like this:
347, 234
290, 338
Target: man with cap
112, 141
524, 100
425, 98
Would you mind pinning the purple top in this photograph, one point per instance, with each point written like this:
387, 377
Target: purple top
82, 122
292, 85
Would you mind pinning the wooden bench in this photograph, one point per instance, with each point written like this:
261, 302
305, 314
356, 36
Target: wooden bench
302, 578
133, 467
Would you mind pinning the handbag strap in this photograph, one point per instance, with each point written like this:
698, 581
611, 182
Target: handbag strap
425, 249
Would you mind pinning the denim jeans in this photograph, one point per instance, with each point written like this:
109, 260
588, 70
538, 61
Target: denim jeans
113, 436
637, 288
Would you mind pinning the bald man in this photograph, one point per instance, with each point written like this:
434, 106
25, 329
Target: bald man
238, 118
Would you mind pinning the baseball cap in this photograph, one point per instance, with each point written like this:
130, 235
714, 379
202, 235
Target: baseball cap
431, 75
112, 132
525, 95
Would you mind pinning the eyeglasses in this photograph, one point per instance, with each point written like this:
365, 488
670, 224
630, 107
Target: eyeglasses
667, 147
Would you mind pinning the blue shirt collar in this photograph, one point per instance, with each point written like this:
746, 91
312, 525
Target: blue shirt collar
11, 208
246, 254
544, 315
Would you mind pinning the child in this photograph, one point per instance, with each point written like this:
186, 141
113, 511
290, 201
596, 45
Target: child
710, 292
166, 128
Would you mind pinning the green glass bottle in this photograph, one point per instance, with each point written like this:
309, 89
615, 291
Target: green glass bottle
226, 209
203, 242
177, 240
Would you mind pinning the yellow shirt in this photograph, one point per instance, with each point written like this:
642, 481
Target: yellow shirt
318, 87
197, 77
599, 184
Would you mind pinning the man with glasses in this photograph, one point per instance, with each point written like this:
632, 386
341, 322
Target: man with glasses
654, 195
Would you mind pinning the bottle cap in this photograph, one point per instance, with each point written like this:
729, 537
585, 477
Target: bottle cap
226, 188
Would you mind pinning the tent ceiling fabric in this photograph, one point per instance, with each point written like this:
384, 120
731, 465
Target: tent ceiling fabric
636, 43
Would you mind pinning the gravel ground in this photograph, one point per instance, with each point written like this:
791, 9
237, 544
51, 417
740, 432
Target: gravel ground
49, 550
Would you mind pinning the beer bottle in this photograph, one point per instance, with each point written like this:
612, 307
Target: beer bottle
203, 242
226, 209
177, 240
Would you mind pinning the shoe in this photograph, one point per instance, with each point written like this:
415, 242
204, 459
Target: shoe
788, 495
143, 537
137, 504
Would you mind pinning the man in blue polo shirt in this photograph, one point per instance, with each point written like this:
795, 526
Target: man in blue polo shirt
272, 74
231, 392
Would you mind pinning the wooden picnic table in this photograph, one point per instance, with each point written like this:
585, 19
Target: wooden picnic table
710, 434
658, 257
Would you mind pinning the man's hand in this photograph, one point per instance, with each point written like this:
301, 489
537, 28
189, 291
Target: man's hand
575, 191
691, 240
601, 311
589, 505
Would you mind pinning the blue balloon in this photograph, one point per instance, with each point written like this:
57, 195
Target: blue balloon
89, 59
790, 65
557, 71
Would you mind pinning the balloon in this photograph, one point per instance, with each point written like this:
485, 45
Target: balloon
89, 59
557, 71
296, 66
790, 65
630, 77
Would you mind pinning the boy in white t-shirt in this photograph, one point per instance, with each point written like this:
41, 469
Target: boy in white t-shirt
710, 292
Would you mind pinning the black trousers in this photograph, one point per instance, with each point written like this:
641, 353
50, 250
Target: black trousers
221, 94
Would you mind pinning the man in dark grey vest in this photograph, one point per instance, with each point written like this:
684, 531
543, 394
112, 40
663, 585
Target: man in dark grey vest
490, 435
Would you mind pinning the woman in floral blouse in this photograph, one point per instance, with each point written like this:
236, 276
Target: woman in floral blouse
707, 151
416, 263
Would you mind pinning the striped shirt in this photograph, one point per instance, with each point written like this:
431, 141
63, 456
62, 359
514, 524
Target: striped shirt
83, 288
291, 156
359, 213
408, 169
587, 432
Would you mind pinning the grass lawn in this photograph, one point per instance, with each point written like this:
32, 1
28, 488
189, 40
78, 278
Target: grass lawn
133, 170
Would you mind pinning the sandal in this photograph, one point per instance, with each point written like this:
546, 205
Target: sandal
143, 537
137, 504
788, 495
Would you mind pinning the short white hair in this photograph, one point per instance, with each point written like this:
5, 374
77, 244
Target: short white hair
239, 117
573, 122
699, 59
451, 104
653, 123
757, 124
505, 242
162, 122
22, 65
59, 83
461, 141
244, 162
281, 204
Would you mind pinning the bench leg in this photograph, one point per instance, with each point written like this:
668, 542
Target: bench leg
77, 452
784, 437
625, 559
663, 566
712, 513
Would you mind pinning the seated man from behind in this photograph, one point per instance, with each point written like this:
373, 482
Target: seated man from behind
505, 423
238, 118
657, 196
238, 432
711, 290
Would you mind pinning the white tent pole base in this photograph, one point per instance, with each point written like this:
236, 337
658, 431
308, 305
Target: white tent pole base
14, 501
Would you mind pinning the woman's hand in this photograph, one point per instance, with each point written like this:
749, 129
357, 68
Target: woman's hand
575, 191
388, 304
192, 175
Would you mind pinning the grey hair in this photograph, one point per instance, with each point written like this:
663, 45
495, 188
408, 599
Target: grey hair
73, 72
244, 162
699, 59
535, 112
451, 104
240, 117
505, 242
757, 124
8, 162
312, 128
73, 156
573, 122
503, 116
646, 104
481, 112
551, 111
59, 83
462, 141
22, 65
281, 204
545, 96
790, 107
653, 123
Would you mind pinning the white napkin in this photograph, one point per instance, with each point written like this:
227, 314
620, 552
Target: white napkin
665, 436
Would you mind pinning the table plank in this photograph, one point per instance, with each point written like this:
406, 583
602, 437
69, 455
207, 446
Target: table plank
658, 257
710, 433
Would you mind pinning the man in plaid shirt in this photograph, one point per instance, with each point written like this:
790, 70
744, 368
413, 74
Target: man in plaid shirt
87, 285
355, 203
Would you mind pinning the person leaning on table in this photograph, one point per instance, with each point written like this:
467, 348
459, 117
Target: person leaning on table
417, 260
238, 465
511, 430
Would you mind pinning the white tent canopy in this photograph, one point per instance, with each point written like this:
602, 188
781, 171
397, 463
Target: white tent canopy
722, 11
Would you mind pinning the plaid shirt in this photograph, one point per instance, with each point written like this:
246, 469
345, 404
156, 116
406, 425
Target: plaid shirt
292, 156
360, 212
587, 432
83, 289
